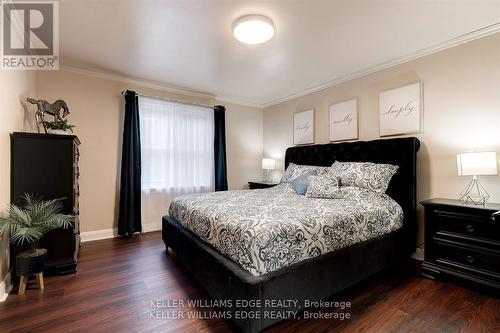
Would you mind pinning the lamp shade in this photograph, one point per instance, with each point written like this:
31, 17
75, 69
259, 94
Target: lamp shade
268, 164
477, 164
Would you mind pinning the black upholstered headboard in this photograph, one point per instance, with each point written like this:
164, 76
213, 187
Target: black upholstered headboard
401, 152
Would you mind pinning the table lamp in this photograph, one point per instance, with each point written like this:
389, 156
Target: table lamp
268, 164
476, 164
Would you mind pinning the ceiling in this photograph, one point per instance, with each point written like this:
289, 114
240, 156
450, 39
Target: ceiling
189, 43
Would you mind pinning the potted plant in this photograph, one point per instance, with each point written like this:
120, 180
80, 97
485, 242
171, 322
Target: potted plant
58, 126
27, 225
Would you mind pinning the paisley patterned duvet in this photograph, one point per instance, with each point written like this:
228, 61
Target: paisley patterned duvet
265, 230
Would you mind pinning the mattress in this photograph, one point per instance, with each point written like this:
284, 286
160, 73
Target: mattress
269, 229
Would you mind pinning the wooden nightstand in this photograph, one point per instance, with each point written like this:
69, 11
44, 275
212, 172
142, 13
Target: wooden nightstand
462, 241
261, 184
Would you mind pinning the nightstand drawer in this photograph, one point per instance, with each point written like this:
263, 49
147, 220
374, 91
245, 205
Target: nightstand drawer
449, 254
462, 241
474, 226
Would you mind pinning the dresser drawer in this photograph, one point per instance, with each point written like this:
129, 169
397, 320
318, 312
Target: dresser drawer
449, 224
453, 254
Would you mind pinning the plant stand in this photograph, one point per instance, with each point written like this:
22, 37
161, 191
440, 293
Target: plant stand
24, 280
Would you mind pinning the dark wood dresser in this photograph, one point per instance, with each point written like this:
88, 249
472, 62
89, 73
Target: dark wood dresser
462, 241
47, 165
260, 184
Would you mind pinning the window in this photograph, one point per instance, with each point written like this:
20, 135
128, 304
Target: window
177, 147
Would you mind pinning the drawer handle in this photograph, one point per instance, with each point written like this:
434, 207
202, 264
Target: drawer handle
469, 259
469, 228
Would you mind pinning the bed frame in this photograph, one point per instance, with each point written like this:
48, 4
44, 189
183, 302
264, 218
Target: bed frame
320, 277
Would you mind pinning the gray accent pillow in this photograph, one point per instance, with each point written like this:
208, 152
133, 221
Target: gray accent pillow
324, 187
372, 176
301, 183
295, 170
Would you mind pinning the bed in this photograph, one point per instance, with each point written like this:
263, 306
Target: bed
307, 263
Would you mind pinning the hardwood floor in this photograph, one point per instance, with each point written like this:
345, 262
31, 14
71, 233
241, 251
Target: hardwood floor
118, 279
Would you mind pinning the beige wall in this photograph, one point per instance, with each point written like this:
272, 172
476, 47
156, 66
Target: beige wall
96, 110
461, 113
15, 87
244, 135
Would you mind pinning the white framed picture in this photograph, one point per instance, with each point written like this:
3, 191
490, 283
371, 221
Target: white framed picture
401, 110
303, 127
343, 119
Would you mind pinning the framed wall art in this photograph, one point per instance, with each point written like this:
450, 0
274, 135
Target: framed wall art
303, 127
343, 119
400, 110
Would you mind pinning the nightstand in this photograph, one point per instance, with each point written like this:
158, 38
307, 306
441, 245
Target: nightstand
462, 241
261, 184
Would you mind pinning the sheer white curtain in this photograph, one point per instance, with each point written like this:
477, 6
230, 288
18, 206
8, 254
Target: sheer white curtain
177, 154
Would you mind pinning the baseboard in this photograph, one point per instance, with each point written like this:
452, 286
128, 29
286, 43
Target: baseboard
418, 254
149, 227
90, 236
5, 287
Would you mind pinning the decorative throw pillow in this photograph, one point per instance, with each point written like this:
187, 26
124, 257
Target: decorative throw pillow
295, 170
372, 176
300, 183
324, 187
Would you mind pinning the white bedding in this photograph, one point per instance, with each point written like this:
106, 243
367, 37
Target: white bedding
265, 230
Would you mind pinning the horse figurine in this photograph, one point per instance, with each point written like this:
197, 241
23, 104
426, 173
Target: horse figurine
53, 109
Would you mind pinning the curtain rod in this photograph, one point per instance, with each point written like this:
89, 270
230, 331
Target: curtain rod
174, 100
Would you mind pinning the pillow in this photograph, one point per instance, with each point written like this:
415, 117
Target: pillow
301, 183
372, 176
324, 187
295, 170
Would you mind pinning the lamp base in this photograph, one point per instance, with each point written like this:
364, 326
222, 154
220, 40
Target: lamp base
267, 176
474, 193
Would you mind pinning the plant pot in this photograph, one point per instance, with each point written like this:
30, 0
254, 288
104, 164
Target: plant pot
29, 263
60, 132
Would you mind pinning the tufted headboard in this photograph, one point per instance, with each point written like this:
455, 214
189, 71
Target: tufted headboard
401, 152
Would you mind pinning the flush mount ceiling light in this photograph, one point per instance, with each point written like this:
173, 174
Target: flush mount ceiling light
253, 29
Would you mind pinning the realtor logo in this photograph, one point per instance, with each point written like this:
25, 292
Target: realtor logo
30, 35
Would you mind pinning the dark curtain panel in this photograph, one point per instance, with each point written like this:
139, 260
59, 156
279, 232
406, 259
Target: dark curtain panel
129, 218
220, 148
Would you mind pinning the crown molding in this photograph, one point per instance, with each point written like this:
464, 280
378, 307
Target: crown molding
155, 85
476, 34
238, 101
142, 83
473, 35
